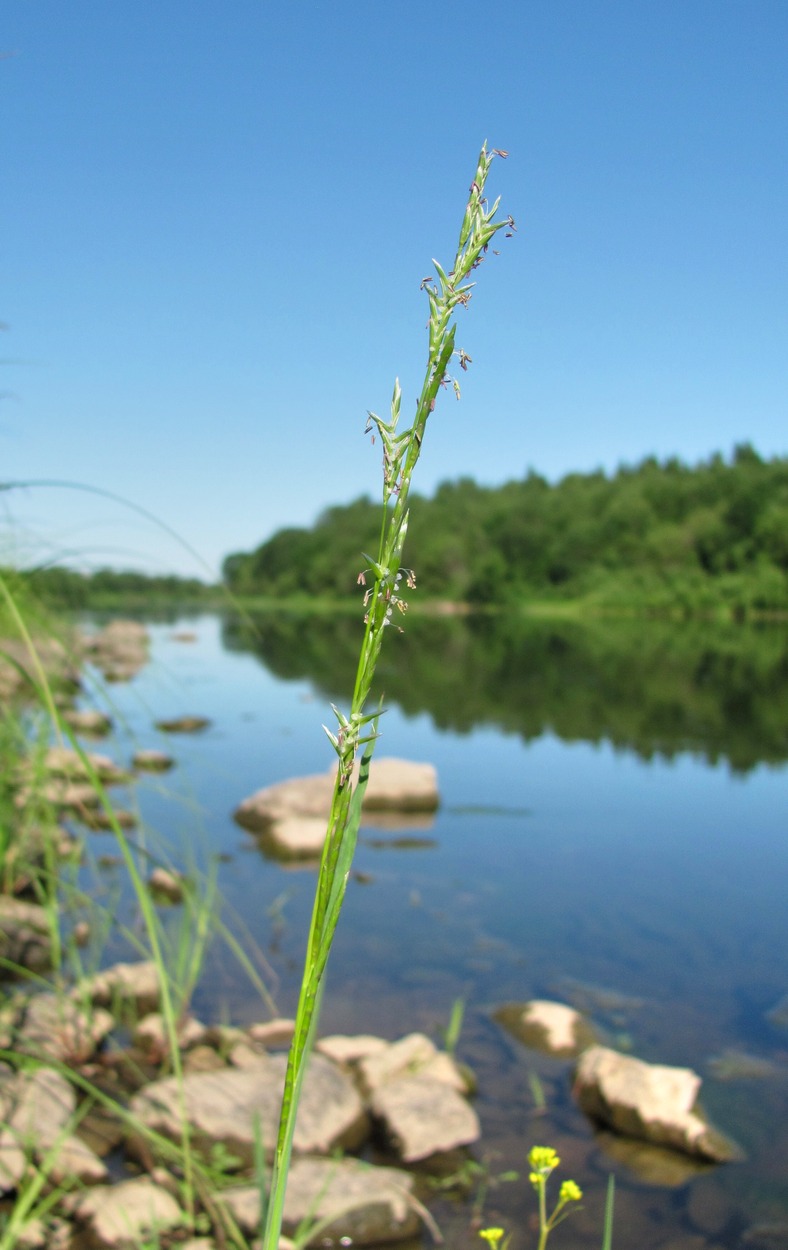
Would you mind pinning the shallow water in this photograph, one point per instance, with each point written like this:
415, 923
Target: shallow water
612, 833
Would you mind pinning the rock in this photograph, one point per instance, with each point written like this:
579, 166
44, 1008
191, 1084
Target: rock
648, 1101
25, 935
203, 1058
26, 857
67, 763
75, 1161
183, 724
122, 985
423, 1117
411, 1056
17, 664
128, 1215
75, 795
120, 650
247, 1054
183, 635
343, 1049
36, 1107
295, 837
167, 885
552, 1028
151, 761
54, 1027
364, 1205
274, 1034
394, 786
98, 818
224, 1107
150, 1035
87, 721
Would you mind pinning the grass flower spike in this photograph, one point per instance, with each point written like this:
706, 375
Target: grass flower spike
356, 730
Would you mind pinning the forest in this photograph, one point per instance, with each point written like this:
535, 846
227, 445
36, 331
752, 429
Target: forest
660, 537
109, 588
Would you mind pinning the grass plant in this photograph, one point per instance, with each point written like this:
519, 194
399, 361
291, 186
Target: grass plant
385, 581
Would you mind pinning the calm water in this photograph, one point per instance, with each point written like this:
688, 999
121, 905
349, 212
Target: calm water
613, 832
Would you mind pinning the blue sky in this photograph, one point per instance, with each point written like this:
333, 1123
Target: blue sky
215, 218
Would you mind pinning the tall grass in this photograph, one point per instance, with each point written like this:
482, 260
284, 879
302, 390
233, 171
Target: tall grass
386, 581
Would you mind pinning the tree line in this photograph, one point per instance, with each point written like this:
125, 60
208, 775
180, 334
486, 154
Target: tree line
660, 536
70, 589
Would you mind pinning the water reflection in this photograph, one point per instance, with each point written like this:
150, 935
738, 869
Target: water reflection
658, 689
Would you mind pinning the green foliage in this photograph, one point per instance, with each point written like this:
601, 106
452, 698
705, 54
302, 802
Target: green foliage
66, 588
664, 539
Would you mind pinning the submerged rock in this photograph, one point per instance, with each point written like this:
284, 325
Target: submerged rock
648, 1101
98, 819
183, 724
552, 1028
225, 1106
395, 786
738, 1065
364, 1205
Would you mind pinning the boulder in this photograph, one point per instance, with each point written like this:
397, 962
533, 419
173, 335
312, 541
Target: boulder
423, 1117
166, 885
77, 796
552, 1028
151, 1036
35, 1108
648, 1101
412, 1056
150, 761
119, 650
55, 1027
225, 1106
67, 763
19, 665
275, 1034
98, 819
395, 786
88, 721
128, 1215
25, 935
354, 1203
295, 837
344, 1049
123, 985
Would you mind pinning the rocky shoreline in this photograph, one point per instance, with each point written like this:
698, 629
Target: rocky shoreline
95, 1107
